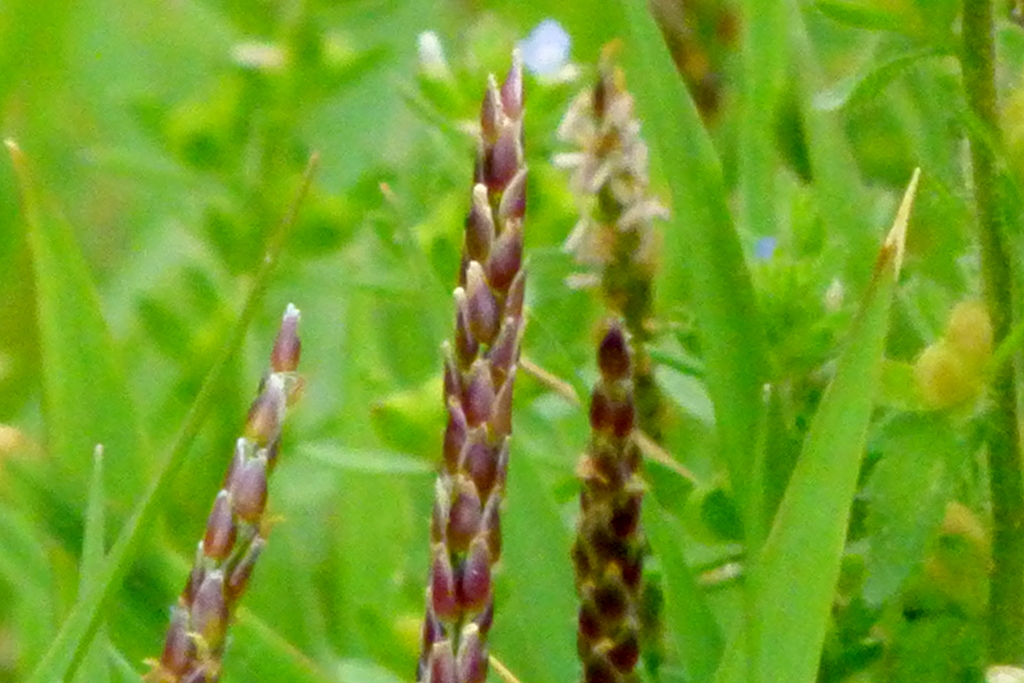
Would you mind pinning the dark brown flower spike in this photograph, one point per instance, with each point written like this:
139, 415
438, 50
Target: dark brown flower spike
609, 548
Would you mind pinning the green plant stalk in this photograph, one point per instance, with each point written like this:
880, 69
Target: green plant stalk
1007, 349
65, 653
1006, 590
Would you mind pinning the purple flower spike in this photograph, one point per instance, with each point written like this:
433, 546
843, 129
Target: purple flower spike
220, 529
235, 528
287, 346
479, 375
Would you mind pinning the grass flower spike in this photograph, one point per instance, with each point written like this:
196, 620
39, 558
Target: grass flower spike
235, 530
480, 369
609, 549
615, 238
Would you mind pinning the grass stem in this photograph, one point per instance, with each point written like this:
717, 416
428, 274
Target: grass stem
1006, 591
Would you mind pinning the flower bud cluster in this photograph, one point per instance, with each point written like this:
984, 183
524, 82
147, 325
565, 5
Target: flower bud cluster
608, 552
479, 375
951, 371
236, 530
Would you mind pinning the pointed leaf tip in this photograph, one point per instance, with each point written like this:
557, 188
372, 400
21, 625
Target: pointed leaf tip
895, 241
19, 161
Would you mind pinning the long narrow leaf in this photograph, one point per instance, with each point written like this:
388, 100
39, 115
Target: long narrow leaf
86, 397
795, 577
94, 667
535, 636
692, 628
764, 69
702, 254
836, 178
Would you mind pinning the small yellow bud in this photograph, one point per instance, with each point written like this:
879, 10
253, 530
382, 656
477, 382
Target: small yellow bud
969, 332
943, 378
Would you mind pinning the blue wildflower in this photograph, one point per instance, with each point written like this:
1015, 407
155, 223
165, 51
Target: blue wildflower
546, 50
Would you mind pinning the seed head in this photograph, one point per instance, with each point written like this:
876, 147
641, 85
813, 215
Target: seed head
235, 529
479, 375
608, 550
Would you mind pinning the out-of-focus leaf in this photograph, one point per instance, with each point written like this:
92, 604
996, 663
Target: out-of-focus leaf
687, 392
833, 168
907, 492
863, 87
899, 388
765, 58
409, 420
691, 626
120, 667
794, 579
377, 529
365, 461
536, 606
86, 398
710, 514
940, 647
360, 671
257, 647
880, 15
24, 566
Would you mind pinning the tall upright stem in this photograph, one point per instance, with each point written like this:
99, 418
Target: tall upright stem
1006, 592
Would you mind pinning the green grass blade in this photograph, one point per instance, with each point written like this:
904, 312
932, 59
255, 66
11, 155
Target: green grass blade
258, 648
836, 178
86, 399
691, 626
765, 56
26, 566
120, 666
95, 666
702, 253
71, 641
795, 576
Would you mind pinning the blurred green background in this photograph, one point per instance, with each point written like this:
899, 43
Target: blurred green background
170, 138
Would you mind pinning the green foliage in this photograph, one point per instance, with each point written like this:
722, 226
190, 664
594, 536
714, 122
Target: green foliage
813, 521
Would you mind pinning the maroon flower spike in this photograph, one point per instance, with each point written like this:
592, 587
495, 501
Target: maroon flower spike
479, 375
235, 529
608, 549
471, 660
